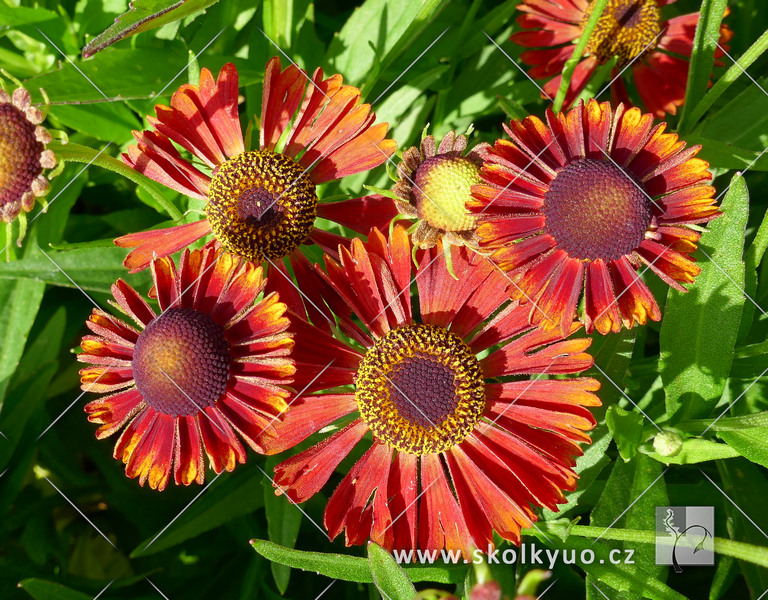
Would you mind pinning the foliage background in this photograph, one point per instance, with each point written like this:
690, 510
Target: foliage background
417, 62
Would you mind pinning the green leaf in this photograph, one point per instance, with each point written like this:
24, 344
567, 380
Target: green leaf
398, 102
18, 16
512, 109
20, 299
90, 269
750, 443
746, 485
626, 578
361, 52
388, 576
699, 330
704, 45
109, 122
40, 589
721, 85
144, 15
612, 354
725, 574
639, 485
21, 405
726, 155
752, 421
278, 21
598, 6
336, 566
347, 568
741, 127
232, 497
627, 430
120, 74
750, 361
752, 259
696, 450
283, 522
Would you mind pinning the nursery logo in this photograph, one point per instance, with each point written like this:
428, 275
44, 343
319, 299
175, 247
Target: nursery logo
685, 536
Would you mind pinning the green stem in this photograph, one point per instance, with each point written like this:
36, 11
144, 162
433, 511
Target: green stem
83, 154
597, 10
751, 421
757, 555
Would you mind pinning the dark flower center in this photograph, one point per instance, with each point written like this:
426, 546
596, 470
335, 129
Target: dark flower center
626, 29
420, 389
443, 184
594, 209
181, 362
261, 205
19, 154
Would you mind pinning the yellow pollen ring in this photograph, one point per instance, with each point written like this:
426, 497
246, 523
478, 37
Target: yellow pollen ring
420, 389
261, 205
626, 29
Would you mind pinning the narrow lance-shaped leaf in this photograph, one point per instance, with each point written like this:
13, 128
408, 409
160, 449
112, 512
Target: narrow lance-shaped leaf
40, 589
699, 330
389, 577
144, 15
612, 354
723, 83
283, 522
640, 485
703, 56
348, 568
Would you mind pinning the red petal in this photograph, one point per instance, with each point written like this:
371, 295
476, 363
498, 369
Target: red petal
160, 242
365, 483
403, 496
360, 214
164, 276
441, 521
280, 99
219, 441
302, 476
600, 306
364, 152
190, 462
156, 158
132, 303
635, 300
112, 412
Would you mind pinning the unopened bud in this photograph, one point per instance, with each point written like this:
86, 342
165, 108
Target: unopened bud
668, 443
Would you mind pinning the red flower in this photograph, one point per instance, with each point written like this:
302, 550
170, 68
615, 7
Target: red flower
212, 363
631, 30
261, 204
461, 446
583, 203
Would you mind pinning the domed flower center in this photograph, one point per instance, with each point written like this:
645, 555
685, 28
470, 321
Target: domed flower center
420, 389
443, 186
181, 362
19, 154
261, 205
594, 209
626, 29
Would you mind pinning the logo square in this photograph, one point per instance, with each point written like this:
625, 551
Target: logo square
685, 536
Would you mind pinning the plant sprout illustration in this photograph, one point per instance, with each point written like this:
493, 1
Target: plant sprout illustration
669, 525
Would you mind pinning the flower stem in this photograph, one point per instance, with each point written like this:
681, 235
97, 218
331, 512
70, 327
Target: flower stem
757, 555
71, 152
597, 10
